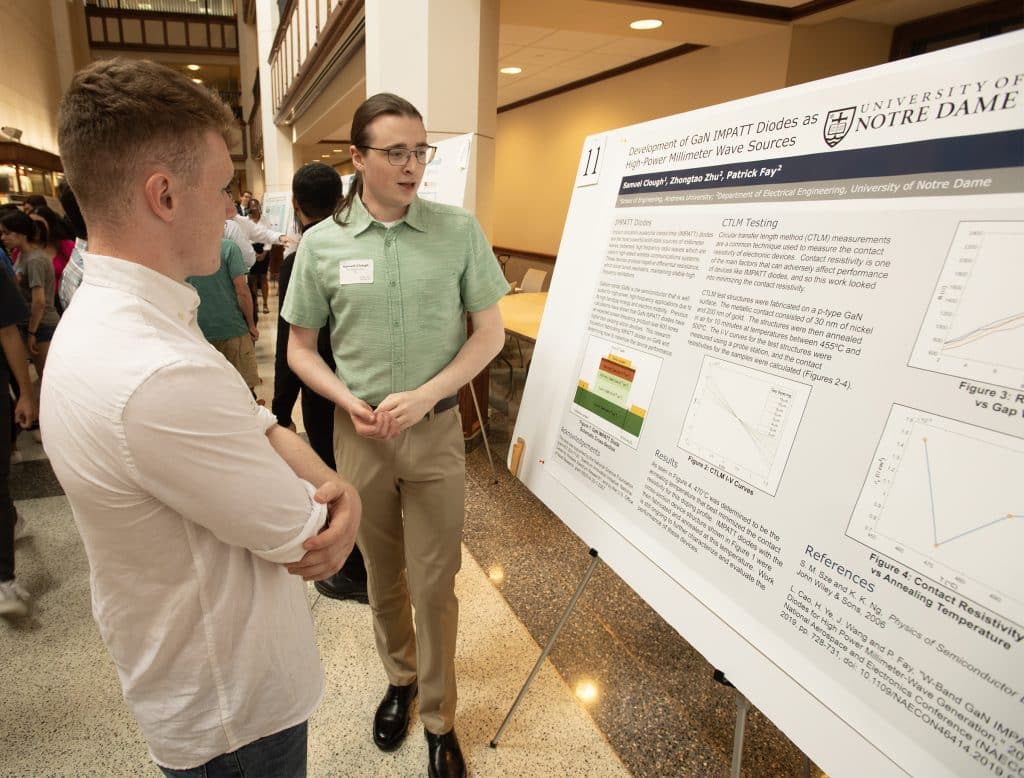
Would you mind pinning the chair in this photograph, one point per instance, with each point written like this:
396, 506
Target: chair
533, 280
503, 263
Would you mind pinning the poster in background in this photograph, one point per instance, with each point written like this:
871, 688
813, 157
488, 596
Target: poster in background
278, 213
794, 421
445, 178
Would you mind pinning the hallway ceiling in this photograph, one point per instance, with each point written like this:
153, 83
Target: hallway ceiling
557, 42
560, 42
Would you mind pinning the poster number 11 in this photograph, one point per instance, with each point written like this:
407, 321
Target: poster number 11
590, 162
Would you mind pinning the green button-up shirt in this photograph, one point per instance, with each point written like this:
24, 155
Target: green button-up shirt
395, 298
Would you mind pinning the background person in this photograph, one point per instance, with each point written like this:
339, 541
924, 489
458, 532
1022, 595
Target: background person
34, 269
316, 190
242, 206
225, 313
259, 280
32, 202
60, 242
73, 271
14, 599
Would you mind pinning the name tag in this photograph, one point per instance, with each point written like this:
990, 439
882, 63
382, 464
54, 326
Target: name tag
355, 271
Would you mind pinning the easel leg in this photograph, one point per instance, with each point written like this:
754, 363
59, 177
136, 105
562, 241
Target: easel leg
483, 430
551, 643
742, 707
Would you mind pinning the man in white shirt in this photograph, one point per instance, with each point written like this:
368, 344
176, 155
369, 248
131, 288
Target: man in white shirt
255, 232
196, 577
235, 234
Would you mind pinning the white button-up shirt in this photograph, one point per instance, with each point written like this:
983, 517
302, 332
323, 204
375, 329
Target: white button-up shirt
257, 232
186, 513
235, 234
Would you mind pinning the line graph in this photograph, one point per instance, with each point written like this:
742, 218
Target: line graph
946, 498
743, 421
1011, 322
940, 539
974, 327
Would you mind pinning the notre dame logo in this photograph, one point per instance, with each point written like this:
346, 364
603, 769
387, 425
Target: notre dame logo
837, 124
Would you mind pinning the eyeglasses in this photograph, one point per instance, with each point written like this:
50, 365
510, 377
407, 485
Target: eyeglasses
399, 156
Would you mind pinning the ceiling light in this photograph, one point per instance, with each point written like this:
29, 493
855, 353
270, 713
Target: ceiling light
645, 24
192, 67
511, 71
324, 156
337, 151
198, 80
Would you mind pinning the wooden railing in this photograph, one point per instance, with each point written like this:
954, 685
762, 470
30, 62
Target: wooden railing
199, 28
159, 7
308, 31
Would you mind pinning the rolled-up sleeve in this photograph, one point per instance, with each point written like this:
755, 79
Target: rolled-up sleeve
208, 458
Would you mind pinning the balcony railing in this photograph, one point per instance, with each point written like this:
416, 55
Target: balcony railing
205, 26
308, 33
191, 7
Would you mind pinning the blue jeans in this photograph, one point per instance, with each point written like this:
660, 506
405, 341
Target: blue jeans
281, 755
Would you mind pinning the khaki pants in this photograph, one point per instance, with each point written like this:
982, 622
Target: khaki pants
241, 353
413, 493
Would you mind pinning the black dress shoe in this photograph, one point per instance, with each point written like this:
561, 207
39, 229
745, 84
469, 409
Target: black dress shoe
343, 587
392, 719
444, 757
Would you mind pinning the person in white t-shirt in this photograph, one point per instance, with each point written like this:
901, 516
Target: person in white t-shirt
197, 578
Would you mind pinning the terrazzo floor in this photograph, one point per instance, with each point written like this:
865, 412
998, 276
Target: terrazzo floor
652, 707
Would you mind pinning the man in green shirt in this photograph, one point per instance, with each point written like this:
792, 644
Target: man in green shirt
393, 276
225, 312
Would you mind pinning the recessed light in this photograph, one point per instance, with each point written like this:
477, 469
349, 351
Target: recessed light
511, 71
198, 80
645, 24
337, 151
192, 67
324, 156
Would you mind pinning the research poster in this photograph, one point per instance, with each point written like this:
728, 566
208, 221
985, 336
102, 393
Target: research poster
779, 385
278, 213
446, 177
